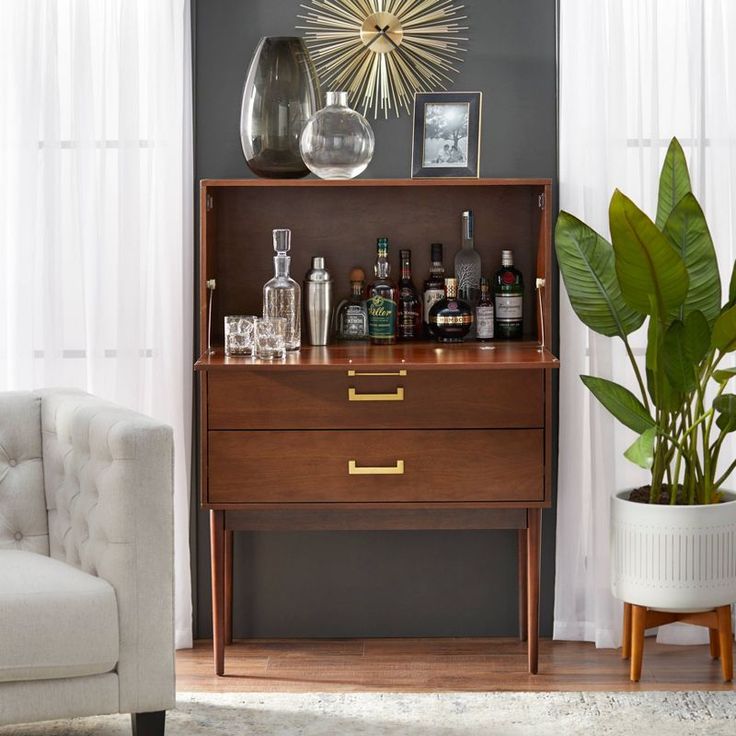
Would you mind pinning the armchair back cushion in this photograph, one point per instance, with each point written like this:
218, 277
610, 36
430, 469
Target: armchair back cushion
23, 521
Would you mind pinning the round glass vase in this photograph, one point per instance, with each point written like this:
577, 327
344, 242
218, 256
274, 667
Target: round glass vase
337, 142
281, 92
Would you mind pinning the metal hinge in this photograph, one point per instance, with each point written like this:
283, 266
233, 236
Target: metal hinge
210, 202
540, 201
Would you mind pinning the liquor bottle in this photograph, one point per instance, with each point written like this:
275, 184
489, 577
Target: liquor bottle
410, 308
434, 286
450, 318
382, 299
467, 263
352, 314
484, 313
282, 295
508, 290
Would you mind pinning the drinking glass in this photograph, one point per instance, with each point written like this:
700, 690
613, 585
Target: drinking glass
270, 338
239, 334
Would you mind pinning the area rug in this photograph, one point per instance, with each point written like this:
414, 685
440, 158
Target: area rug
430, 714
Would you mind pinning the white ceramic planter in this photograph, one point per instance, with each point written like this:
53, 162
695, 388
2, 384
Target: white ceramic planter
673, 558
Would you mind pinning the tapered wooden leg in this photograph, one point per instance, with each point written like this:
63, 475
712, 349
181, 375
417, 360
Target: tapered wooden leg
533, 546
638, 627
522, 582
626, 645
217, 554
148, 724
715, 649
725, 636
228, 564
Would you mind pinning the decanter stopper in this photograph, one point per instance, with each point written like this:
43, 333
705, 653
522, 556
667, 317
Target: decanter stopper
281, 241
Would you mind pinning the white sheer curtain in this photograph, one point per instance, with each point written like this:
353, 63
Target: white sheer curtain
96, 213
633, 73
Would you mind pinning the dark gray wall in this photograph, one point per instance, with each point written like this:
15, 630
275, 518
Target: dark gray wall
388, 583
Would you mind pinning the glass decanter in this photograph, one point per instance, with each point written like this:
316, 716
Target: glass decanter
337, 142
282, 296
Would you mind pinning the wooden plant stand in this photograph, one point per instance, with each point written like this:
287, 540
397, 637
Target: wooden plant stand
637, 619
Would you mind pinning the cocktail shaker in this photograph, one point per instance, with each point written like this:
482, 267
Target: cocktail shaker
318, 302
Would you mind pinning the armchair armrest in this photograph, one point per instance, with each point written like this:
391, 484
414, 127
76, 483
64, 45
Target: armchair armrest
108, 477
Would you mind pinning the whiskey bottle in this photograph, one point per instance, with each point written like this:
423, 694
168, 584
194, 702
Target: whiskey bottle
352, 314
410, 309
382, 299
434, 286
282, 295
450, 318
484, 313
508, 290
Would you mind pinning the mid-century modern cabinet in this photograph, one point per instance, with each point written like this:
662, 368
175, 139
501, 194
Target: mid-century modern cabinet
357, 437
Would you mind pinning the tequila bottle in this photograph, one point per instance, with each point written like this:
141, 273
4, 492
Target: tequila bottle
382, 299
282, 296
508, 290
352, 315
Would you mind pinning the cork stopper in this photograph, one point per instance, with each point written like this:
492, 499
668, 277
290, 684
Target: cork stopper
357, 274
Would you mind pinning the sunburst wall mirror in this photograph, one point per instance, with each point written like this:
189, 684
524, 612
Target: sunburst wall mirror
383, 51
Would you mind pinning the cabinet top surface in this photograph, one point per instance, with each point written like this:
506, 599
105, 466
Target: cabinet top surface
205, 183
419, 355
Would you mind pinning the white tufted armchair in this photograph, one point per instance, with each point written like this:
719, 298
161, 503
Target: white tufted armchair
86, 561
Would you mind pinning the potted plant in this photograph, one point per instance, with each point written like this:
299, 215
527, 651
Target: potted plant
673, 542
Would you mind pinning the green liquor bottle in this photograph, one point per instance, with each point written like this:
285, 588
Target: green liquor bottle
508, 288
382, 299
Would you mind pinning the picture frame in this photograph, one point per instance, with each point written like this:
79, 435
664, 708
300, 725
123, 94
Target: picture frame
446, 137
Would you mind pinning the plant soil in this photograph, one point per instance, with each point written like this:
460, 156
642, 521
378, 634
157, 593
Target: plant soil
641, 495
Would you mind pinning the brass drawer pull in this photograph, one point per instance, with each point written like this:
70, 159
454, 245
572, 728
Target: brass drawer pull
390, 373
353, 395
397, 469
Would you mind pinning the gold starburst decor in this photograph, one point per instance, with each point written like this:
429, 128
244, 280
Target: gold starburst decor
383, 51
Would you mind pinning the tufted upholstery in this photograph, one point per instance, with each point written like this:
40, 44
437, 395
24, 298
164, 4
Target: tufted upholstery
23, 523
105, 476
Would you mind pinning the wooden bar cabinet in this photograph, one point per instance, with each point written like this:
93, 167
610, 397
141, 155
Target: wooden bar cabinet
341, 437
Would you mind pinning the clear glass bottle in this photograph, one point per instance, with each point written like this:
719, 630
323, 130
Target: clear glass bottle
282, 296
352, 314
467, 263
508, 288
337, 142
410, 308
434, 286
450, 318
484, 313
382, 299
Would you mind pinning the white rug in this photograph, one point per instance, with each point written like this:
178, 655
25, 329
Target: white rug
431, 714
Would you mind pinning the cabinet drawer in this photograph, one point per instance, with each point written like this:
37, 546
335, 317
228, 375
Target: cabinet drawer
376, 466
335, 400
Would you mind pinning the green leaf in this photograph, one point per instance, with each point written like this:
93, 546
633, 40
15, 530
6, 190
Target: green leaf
587, 265
646, 263
726, 406
642, 451
687, 229
674, 182
661, 391
697, 336
732, 288
620, 402
678, 367
724, 331
725, 375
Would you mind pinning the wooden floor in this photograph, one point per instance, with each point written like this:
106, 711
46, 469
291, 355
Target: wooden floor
352, 665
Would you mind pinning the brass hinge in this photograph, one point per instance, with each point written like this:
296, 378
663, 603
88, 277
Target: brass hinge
540, 201
210, 202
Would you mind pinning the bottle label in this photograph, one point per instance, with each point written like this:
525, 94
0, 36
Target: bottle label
354, 321
484, 322
431, 297
442, 320
509, 307
381, 317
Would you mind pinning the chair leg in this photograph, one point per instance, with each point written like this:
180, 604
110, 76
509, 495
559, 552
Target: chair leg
148, 724
638, 626
626, 645
715, 649
725, 635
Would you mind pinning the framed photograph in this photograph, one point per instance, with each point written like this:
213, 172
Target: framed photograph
446, 139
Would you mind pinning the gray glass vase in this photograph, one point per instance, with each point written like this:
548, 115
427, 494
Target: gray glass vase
280, 94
